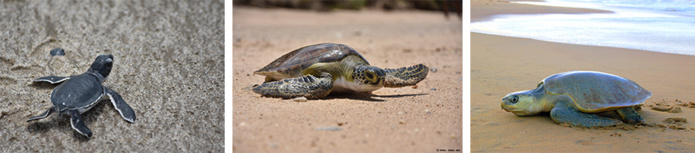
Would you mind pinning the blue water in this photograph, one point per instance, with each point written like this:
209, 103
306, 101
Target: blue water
653, 25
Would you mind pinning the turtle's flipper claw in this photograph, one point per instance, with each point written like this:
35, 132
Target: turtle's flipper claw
566, 114
405, 76
78, 123
307, 86
124, 109
44, 115
52, 79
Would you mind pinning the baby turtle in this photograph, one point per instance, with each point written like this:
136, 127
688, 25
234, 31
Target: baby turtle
317, 70
79, 93
576, 97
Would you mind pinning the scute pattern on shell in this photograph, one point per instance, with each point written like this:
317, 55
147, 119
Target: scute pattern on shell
595, 91
306, 56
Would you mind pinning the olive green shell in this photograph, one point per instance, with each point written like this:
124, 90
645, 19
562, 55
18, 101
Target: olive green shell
292, 64
596, 91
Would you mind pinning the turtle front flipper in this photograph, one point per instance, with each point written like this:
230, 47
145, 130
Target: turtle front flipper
405, 76
562, 113
77, 123
124, 109
308, 86
51, 79
44, 115
629, 115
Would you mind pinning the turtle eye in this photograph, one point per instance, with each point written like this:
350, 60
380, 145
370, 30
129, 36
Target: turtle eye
515, 99
370, 75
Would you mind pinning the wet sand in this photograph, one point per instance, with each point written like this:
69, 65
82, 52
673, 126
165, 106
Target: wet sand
421, 119
500, 65
168, 66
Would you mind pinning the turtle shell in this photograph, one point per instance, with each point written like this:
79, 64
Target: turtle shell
292, 64
80, 93
596, 91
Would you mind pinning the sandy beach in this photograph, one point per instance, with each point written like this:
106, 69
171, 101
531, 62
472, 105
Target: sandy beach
168, 66
420, 119
500, 65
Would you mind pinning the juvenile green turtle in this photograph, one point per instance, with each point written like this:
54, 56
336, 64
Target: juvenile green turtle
78, 93
577, 97
317, 70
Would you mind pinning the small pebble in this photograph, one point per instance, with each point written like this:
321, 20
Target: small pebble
3, 113
433, 89
57, 52
300, 99
434, 70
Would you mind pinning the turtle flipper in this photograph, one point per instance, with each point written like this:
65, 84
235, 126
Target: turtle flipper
562, 113
44, 115
124, 109
629, 115
405, 76
51, 79
308, 86
77, 123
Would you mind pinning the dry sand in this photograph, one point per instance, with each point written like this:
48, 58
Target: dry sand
168, 67
421, 119
500, 65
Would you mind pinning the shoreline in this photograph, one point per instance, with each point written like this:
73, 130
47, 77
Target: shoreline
631, 28
482, 10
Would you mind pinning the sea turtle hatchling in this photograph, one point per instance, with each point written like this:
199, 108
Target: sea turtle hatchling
317, 70
577, 97
78, 93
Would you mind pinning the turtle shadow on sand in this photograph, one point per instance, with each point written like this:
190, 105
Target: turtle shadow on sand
368, 96
62, 122
42, 85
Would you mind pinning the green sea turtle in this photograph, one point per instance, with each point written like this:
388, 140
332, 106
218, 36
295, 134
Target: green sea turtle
317, 70
577, 97
78, 93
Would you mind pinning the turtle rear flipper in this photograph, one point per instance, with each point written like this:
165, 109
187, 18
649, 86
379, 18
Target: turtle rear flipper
124, 109
77, 123
308, 86
44, 115
405, 76
629, 115
51, 79
562, 113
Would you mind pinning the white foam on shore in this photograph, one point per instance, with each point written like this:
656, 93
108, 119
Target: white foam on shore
644, 27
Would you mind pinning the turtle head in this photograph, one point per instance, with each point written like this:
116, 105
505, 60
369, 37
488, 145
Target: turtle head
102, 65
369, 78
525, 103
